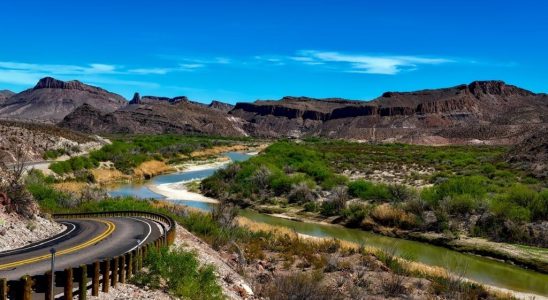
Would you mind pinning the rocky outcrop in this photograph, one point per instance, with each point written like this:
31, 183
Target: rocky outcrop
489, 112
492, 110
51, 100
136, 99
154, 116
222, 106
165, 99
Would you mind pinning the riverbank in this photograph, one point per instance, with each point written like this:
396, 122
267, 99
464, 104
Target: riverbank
429, 272
525, 256
481, 270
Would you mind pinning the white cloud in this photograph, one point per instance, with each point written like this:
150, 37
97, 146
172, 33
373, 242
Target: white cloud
148, 71
19, 77
58, 69
192, 66
369, 64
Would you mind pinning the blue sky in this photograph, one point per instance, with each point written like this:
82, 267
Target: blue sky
247, 50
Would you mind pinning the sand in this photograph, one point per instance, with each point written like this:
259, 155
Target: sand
178, 191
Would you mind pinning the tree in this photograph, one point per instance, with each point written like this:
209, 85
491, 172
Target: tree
16, 197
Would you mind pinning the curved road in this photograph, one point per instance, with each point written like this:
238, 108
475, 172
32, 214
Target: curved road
84, 241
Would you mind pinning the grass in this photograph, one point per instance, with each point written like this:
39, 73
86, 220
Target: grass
181, 273
126, 153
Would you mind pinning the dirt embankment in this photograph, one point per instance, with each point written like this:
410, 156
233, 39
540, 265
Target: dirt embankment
222, 149
108, 174
151, 168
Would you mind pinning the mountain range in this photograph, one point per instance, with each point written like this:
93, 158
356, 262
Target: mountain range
491, 112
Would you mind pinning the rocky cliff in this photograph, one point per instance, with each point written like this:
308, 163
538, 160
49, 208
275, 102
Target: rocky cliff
490, 111
218, 105
51, 100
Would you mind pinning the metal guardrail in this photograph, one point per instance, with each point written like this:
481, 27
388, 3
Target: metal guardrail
103, 274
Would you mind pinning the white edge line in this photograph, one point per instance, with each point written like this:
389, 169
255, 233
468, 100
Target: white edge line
149, 233
44, 242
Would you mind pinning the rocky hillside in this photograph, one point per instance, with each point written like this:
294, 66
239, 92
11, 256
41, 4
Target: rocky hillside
4, 95
35, 139
483, 111
154, 115
531, 154
51, 100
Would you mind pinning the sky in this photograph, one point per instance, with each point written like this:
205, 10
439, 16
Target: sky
237, 51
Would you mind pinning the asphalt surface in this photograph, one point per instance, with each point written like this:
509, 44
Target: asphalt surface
84, 241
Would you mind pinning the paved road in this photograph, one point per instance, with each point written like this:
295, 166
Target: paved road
84, 241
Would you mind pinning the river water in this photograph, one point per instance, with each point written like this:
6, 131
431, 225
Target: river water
481, 269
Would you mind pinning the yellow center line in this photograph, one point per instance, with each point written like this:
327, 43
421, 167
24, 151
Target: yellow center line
110, 229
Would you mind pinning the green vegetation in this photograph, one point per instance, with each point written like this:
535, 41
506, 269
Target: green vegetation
126, 153
303, 261
464, 181
181, 272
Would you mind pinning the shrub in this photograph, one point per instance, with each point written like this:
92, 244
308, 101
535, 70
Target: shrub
339, 197
459, 204
502, 207
367, 190
181, 272
311, 206
389, 215
301, 193
474, 186
400, 192
355, 213
328, 208
299, 286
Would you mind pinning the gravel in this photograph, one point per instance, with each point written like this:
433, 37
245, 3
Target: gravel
17, 231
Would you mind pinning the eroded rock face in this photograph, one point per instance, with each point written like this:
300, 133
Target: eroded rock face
51, 100
136, 99
218, 105
492, 110
482, 112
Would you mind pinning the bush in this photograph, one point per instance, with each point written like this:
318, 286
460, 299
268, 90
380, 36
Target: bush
474, 186
368, 191
311, 206
400, 192
389, 215
299, 286
181, 272
355, 213
301, 193
459, 204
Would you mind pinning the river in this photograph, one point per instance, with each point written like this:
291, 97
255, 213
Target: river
480, 269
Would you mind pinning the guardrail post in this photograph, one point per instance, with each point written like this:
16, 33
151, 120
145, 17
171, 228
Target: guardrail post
139, 262
123, 269
3, 289
68, 284
114, 271
130, 262
83, 283
26, 287
144, 250
49, 286
95, 279
106, 275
